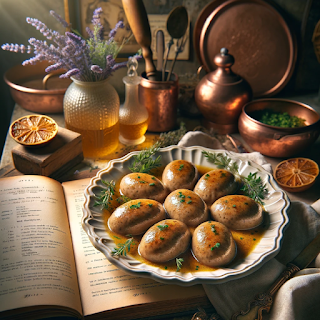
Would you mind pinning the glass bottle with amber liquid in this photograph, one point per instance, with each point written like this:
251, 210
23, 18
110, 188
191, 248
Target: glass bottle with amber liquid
133, 116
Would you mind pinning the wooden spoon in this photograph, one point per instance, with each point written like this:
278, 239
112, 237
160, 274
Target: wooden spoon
177, 24
138, 20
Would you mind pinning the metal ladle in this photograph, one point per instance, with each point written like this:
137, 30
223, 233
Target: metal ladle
177, 24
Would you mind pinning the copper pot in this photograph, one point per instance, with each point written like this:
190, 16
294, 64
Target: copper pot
276, 141
35, 90
221, 94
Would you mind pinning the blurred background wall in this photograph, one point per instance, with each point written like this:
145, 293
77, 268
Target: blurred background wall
302, 15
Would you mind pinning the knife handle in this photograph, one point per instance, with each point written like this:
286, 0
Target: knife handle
138, 20
263, 301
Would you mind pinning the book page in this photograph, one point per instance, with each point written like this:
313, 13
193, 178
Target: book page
36, 255
102, 285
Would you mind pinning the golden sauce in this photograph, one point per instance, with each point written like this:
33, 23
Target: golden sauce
246, 240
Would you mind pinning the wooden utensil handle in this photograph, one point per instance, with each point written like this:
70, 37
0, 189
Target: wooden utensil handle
138, 20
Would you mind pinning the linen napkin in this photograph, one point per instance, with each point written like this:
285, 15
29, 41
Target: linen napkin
299, 297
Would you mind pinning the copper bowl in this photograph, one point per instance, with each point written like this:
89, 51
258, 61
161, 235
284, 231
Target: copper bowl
35, 90
276, 141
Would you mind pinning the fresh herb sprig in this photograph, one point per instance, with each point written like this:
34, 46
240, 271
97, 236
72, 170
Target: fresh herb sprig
106, 196
221, 161
144, 163
179, 262
252, 186
123, 248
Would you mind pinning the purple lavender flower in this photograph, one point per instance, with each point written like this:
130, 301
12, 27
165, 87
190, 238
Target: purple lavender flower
54, 67
89, 31
60, 19
90, 60
119, 65
113, 32
97, 25
95, 68
70, 73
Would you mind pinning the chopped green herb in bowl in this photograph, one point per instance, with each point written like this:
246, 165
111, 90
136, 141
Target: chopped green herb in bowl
280, 119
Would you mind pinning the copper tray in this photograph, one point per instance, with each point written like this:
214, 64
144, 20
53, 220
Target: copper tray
256, 35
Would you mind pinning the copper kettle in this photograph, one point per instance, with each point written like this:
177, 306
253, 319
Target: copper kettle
221, 94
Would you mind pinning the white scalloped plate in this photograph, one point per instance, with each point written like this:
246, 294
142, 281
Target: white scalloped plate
276, 204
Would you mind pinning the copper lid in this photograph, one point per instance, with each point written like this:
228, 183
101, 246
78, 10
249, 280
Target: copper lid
257, 36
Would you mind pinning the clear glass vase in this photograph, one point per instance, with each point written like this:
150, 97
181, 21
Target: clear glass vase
92, 109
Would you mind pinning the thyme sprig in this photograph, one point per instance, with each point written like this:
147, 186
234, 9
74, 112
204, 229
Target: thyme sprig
221, 161
144, 163
123, 248
106, 196
252, 186
179, 262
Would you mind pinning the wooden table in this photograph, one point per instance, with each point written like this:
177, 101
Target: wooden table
88, 168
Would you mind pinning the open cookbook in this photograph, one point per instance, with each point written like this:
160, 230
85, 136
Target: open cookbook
49, 268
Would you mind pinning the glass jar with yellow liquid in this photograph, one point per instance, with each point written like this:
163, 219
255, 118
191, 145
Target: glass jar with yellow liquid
133, 116
92, 109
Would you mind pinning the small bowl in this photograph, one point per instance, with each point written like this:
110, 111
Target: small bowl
276, 141
35, 90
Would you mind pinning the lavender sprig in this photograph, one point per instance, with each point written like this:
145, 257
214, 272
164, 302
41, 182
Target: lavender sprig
85, 60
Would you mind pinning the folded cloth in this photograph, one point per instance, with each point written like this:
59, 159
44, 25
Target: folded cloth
299, 297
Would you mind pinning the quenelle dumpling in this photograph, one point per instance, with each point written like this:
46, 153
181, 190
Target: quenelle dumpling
186, 206
165, 241
215, 184
180, 174
237, 212
136, 216
213, 244
143, 186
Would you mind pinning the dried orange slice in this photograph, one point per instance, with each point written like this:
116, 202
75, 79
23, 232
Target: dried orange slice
33, 130
296, 174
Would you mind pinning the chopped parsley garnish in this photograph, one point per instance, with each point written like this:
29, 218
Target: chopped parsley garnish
135, 206
213, 229
152, 184
181, 167
163, 226
217, 245
150, 204
280, 119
